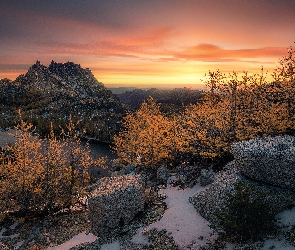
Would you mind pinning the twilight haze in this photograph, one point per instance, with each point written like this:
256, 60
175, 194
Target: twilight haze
146, 43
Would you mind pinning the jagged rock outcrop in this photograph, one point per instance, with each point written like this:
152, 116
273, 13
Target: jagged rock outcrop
270, 160
213, 198
163, 174
114, 201
206, 177
54, 93
266, 164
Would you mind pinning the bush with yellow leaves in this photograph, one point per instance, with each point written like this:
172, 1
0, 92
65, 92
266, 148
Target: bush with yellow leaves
43, 176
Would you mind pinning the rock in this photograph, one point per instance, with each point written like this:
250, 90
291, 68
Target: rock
129, 169
161, 239
206, 177
113, 202
214, 197
270, 160
162, 174
128, 245
186, 175
88, 246
3, 246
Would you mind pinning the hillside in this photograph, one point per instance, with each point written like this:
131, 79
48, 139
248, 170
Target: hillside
176, 97
54, 93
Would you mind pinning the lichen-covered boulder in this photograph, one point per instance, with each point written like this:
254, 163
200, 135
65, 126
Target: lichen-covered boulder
270, 160
162, 174
206, 177
214, 198
113, 202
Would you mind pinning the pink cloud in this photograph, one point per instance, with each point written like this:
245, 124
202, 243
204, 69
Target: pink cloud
214, 53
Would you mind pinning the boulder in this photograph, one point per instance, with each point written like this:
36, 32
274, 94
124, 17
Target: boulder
206, 177
130, 169
113, 202
270, 160
162, 174
214, 197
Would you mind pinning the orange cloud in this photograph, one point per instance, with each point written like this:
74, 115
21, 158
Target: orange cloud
213, 53
152, 48
142, 47
155, 36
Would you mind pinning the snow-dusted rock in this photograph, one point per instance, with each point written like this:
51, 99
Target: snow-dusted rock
206, 177
214, 197
270, 160
114, 202
162, 174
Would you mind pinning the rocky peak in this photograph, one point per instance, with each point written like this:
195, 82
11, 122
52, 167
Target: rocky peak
65, 69
39, 77
57, 92
76, 78
61, 77
37, 65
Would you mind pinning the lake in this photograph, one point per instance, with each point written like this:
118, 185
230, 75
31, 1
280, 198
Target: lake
99, 149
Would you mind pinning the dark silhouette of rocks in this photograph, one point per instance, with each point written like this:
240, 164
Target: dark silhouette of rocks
54, 93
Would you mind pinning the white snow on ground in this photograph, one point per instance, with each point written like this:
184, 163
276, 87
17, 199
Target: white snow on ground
112, 246
181, 218
287, 217
277, 245
76, 240
185, 224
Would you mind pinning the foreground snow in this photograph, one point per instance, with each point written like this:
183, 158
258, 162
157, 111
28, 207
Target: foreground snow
185, 224
76, 240
180, 218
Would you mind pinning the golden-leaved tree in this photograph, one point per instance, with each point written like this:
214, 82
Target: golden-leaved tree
21, 170
239, 108
149, 138
43, 176
286, 69
234, 108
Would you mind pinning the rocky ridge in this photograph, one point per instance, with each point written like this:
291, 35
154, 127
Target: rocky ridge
266, 165
54, 93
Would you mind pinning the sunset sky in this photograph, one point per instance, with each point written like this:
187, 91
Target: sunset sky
146, 43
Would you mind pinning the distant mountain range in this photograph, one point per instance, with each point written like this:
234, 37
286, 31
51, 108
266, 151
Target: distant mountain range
54, 93
174, 97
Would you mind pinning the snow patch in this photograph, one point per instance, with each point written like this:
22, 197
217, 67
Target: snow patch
180, 218
76, 240
112, 246
276, 244
287, 217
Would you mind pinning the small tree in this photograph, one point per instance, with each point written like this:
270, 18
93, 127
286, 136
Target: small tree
43, 176
148, 138
286, 70
247, 217
238, 108
20, 185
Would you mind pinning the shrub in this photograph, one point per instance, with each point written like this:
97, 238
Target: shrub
247, 217
149, 138
43, 176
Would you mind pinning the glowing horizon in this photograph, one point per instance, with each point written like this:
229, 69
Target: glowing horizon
154, 43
